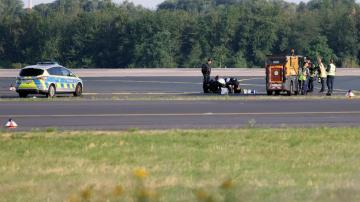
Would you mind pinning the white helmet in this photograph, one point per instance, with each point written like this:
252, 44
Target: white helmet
222, 81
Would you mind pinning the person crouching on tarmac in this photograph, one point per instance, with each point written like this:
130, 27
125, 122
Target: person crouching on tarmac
232, 85
216, 85
206, 71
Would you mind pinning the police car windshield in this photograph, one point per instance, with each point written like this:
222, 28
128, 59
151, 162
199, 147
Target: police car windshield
31, 72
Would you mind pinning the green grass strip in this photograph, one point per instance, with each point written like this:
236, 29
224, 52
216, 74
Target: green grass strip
317, 164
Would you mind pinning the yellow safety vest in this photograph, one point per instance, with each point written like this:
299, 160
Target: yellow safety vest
322, 70
303, 74
332, 70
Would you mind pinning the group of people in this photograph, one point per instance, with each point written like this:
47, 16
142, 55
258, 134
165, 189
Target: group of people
232, 85
306, 76
309, 72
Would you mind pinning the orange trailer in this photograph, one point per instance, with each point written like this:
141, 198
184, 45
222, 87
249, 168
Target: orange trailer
282, 73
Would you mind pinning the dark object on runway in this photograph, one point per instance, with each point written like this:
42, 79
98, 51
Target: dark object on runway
216, 85
233, 85
212, 86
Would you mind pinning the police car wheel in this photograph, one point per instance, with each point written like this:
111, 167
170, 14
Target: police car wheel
51, 92
23, 95
78, 90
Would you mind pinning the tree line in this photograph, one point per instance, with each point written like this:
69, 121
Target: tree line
179, 33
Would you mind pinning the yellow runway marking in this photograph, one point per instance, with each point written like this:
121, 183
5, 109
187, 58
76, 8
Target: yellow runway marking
185, 114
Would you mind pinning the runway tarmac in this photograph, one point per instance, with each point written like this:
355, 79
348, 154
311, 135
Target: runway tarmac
107, 86
112, 115
88, 113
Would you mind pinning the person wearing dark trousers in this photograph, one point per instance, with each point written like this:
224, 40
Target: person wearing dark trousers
322, 74
311, 77
304, 78
331, 71
206, 71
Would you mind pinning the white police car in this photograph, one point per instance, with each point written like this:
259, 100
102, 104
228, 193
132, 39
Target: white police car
48, 78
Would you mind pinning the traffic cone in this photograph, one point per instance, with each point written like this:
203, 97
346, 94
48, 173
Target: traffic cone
350, 94
11, 124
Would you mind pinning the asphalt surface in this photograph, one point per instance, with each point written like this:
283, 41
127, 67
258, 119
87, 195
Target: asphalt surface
190, 84
107, 86
110, 114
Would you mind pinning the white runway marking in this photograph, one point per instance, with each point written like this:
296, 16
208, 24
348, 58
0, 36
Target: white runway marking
251, 79
183, 114
143, 93
163, 93
162, 82
337, 90
137, 81
248, 84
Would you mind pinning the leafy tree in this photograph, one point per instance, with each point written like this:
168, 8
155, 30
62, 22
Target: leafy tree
10, 29
180, 33
239, 60
319, 47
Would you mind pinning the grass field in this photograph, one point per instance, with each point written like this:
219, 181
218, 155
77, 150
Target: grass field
318, 164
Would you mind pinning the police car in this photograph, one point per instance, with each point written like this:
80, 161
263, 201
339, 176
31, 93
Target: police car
48, 78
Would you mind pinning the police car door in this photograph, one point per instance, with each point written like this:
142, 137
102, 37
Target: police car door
54, 78
66, 83
58, 79
73, 80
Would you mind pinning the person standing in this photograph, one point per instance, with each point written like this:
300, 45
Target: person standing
206, 71
303, 78
323, 75
306, 74
311, 76
292, 52
331, 71
300, 79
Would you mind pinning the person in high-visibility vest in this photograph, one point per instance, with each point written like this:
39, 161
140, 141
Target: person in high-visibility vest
322, 74
311, 76
331, 71
303, 78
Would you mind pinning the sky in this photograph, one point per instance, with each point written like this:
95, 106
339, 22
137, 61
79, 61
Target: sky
146, 3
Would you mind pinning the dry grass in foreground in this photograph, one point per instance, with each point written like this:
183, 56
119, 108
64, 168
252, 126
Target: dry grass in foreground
318, 164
